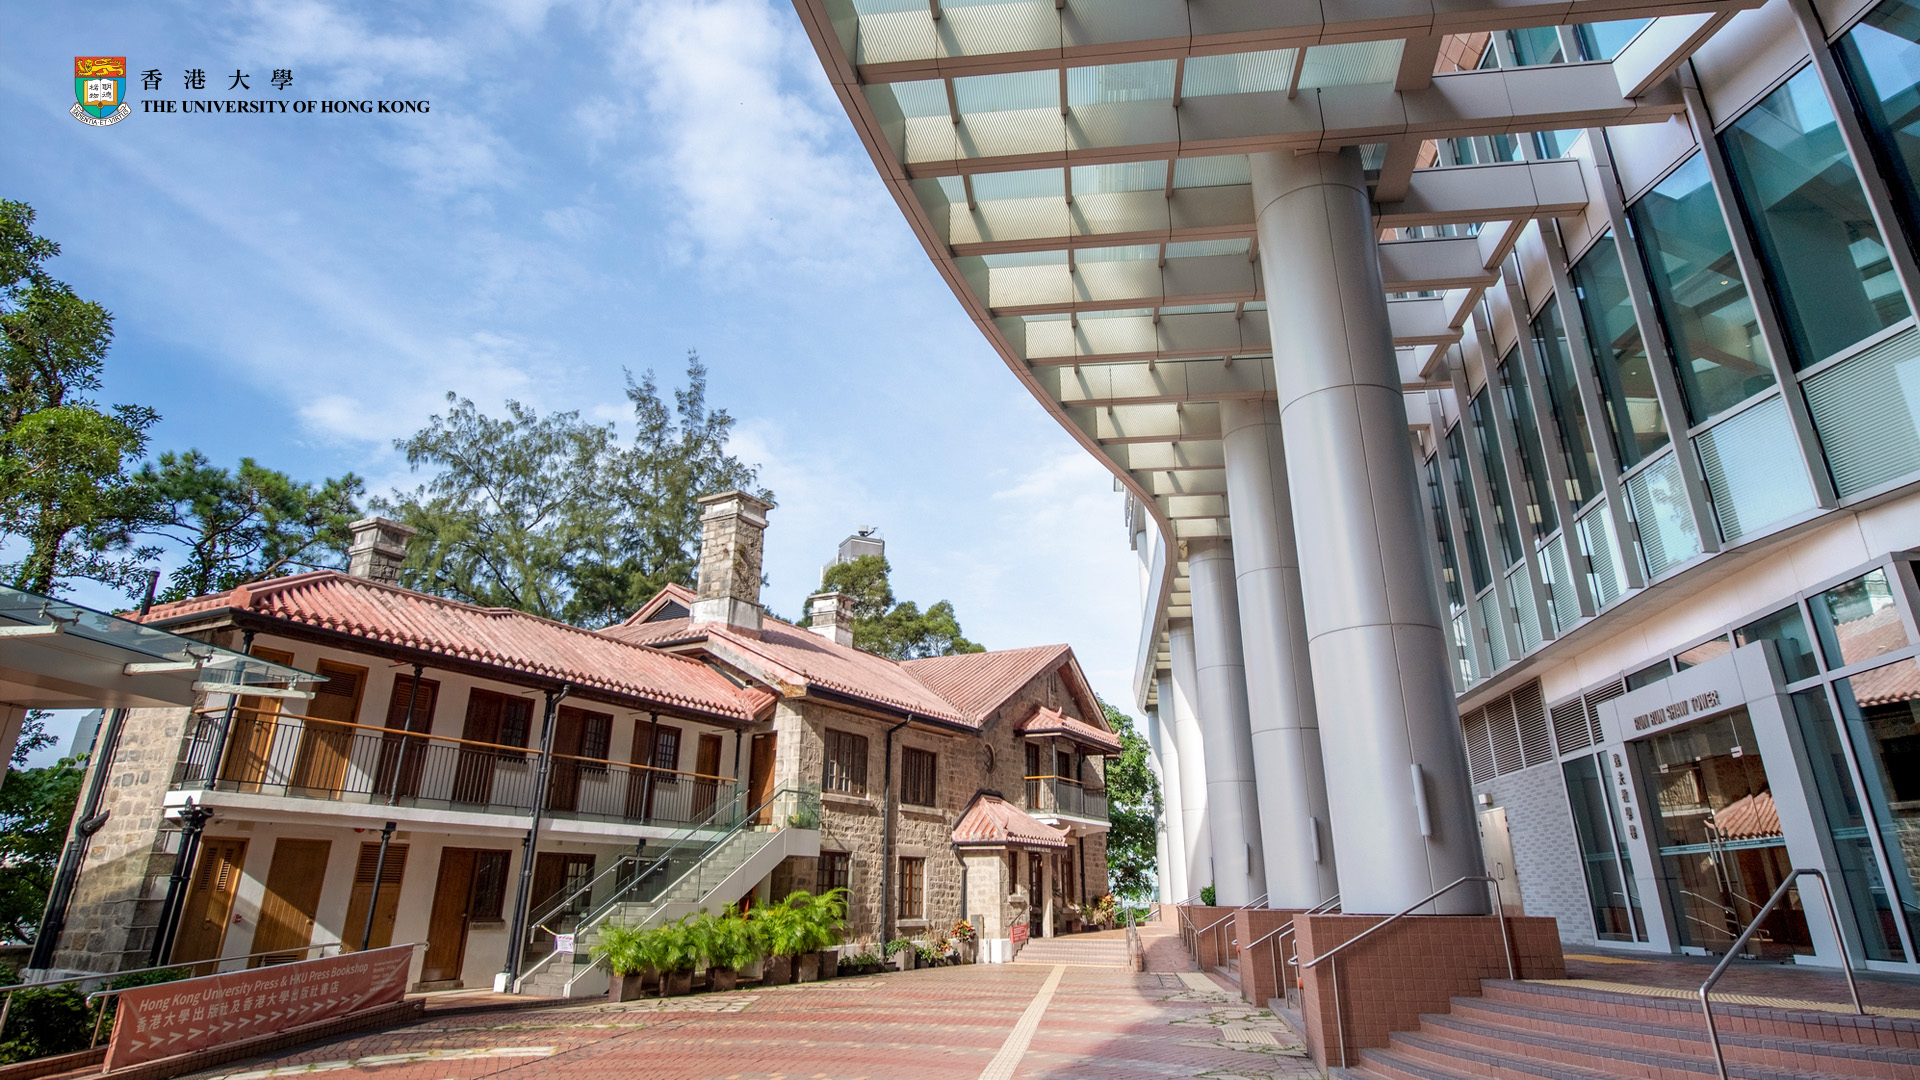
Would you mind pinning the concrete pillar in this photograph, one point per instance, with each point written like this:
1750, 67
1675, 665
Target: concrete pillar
1285, 726
1403, 823
1233, 806
1172, 807
1163, 827
1195, 836
1046, 890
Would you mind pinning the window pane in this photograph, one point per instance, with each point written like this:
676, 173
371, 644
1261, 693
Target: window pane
1788, 632
1866, 890
1619, 355
1703, 301
1701, 653
1484, 441
1882, 712
1437, 506
1535, 45
1469, 511
1541, 516
1649, 675
1608, 885
1858, 621
1881, 59
1826, 262
1563, 394
1603, 41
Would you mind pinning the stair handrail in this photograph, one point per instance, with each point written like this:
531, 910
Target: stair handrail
1733, 953
1499, 915
1257, 901
1273, 937
1135, 952
594, 917
1180, 906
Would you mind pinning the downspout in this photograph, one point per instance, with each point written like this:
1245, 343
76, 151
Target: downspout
373, 902
517, 929
886, 839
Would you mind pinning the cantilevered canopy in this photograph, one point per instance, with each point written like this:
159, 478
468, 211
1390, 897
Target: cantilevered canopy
59, 655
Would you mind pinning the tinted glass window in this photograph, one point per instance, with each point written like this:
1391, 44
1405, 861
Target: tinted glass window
1541, 516
1881, 59
1788, 632
1563, 395
1469, 511
1437, 509
1496, 469
1619, 355
1858, 620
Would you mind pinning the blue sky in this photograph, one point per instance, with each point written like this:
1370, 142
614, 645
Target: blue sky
599, 185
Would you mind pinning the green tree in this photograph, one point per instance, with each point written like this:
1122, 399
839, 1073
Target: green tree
897, 630
36, 806
65, 492
1133, 801
552, 515
244, 525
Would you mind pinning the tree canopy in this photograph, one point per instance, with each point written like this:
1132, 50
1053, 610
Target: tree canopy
35, 807
553, 515
1133, 804
884, 627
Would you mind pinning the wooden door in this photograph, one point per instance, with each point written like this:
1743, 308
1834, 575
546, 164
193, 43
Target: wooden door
640, 778
447, 923
249, 757
473, 767
326, 745
760, 777
294, 878
216, 878
563, 777
403, 757
393, 873
705, 787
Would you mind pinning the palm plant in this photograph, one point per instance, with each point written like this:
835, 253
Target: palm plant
624, 947
726, 941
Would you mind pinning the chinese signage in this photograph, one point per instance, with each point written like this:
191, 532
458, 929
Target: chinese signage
1019, 933
1698, 703
193, 1014
100, 92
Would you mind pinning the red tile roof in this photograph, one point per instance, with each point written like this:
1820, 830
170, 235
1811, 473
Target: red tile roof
1047, 721
993, 820
496, 637
1886, 685
979, 683
1750, 818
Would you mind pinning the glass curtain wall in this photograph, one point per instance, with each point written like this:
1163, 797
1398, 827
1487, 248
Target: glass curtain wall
1541, 515
1569, 415
1603, 852
1504, 527
1449, 565
1619, 355
1697, 286
1827, 264
1880, 58
1469, 512
1847, 826
1881, 708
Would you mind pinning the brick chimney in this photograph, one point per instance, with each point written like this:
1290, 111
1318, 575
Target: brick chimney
379, 547
730, 537
831, 616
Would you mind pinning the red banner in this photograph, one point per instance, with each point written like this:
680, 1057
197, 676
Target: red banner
1018, 933
214, 1010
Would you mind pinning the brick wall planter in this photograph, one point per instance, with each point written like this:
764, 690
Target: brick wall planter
1263, 970
1213, 944
1416, 966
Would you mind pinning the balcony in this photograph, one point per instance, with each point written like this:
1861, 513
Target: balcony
296, 757
1067, 798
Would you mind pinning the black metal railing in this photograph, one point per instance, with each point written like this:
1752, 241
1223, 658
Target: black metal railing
1063, 796
300, 757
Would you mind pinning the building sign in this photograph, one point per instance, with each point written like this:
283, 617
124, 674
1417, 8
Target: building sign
1018, 934
216, 1010
1679, 710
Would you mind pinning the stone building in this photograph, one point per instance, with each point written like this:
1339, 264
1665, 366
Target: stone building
698, 754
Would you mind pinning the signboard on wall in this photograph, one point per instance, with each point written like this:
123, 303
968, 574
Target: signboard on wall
214, 1010
1018, 934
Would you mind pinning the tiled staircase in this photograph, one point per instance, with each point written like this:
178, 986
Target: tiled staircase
1087, 951
1532, 1030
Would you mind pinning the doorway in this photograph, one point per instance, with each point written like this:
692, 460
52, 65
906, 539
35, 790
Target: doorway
706, 783
294, 878
393, 873
760, 778
471, 888
209, 910
256, 722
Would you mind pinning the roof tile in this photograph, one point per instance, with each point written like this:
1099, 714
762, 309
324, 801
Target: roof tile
993, 820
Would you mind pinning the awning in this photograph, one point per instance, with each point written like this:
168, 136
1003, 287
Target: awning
58, 655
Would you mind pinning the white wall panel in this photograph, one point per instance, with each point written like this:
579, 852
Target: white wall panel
1743, 61
1642, 153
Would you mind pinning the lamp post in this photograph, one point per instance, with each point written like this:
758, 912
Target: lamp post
373, 902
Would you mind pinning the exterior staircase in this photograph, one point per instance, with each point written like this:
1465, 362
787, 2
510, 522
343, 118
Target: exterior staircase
1086, 951
1541, 1030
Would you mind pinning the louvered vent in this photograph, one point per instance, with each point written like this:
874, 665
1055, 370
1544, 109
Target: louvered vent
1479, 749
1570, 731
1506, 738
1530, 716
1605, 693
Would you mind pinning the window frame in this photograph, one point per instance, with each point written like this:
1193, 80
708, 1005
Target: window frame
918, 765
843, 768
910, 900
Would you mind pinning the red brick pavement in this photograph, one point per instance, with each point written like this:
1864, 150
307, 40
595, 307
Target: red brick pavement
942, 1024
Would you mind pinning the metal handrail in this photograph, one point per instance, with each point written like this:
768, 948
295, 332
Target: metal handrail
1499, 914
1733, 953
1280, 933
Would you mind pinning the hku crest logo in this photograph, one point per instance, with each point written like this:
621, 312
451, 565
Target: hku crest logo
100, 90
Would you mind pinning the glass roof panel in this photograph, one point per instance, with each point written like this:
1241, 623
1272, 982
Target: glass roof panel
1126, 176
927, 97
1123, 253
1116, 313
1196, 309
1188, 249
1051, 316
1007, 92
1352, 64
1023, 184
1255, 305
1025, 258
954, 188
887, 7
1107, 84
1238, 73
1373, 155
1212, 171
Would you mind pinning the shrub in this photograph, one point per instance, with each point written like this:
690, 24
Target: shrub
896, 945
822, 919
1207, 896
674, 947
726, 940
625, 948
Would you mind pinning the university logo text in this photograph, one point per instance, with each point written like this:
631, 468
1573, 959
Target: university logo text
100, 90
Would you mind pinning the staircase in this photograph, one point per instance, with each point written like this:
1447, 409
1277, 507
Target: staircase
1539, 1030
1108, 952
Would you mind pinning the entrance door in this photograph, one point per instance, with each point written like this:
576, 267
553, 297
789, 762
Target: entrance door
293, 895
760, 777
1496, 852
203, 925
706, 785
392, 873
326, 744
1036, 894
250, 743
447, 924
402, 757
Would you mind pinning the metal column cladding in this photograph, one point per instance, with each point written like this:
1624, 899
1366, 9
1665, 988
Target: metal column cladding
1196, 837
1239, 866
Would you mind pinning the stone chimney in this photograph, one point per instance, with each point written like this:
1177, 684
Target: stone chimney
379, 547
831, 616
730, 537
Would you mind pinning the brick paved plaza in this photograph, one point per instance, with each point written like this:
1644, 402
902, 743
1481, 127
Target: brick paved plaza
957, 1023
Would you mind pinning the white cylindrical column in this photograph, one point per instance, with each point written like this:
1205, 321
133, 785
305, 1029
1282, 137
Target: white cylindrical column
1171, 805
1195, 834
1396, 768
1164, 847
1233, 806
1288, 778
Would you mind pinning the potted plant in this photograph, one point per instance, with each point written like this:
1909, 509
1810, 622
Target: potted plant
629, 967
1069, 916
676, 953
865, 962
780, 934
727, 943
900, 952
925, 956
965, 940
823, 921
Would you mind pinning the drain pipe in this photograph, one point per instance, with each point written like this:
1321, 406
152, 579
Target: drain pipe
517, 929
886, 841
87, 821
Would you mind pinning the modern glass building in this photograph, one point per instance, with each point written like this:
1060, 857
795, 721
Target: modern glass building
1520, 408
